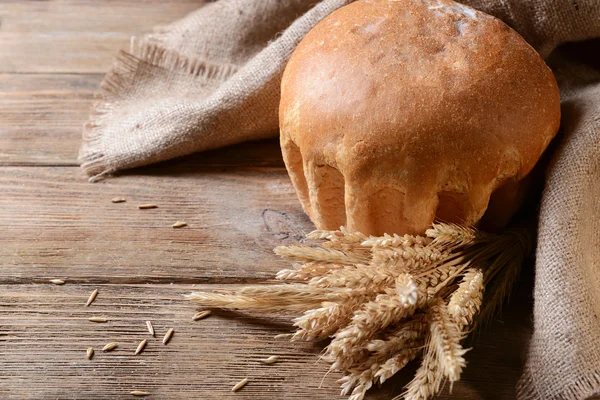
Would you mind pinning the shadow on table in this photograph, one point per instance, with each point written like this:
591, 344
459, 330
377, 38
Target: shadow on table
263, 154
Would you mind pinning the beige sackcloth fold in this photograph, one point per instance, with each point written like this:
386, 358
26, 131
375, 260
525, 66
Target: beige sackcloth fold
212, 79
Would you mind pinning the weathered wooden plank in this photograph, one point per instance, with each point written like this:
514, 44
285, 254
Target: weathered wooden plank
77, 35
44, 334
56, 224
41, 116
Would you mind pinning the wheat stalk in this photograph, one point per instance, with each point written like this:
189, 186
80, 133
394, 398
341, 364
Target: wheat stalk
384, 300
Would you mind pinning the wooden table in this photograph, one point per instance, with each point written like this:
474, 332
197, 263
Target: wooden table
238, 202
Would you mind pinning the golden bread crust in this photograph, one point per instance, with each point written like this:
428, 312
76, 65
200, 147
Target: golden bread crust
395, 112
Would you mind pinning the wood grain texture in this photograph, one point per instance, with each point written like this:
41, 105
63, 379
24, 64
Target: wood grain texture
77, 35
41, 117
238, 203
56, 224
44, 334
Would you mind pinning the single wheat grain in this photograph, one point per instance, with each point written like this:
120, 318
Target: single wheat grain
92, 297
168, 336
141, 347
270, 360
239, 385
200, 315
150, 328
110, 346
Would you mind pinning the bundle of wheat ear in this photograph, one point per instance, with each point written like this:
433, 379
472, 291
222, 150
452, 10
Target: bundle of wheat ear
385, 300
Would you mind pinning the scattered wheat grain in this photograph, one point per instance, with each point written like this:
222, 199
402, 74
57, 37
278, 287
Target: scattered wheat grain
139, 393
97, 319
168, 336
179, 224
92, 297
200, 315
150, 328
239, 385
57, 281
270, 360
110, 346
141, 346
90, 353
118, 200
147, 206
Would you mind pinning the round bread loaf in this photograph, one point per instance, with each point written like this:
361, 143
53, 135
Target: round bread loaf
395, 113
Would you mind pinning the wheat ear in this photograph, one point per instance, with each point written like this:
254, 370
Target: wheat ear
347, 345
396, 338
456, 236
294, 297
445, 338
322, 322
428, 378
304, 272
466, 301
304, 253
385, 299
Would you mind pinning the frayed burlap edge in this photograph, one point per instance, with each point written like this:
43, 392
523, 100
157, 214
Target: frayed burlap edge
120, 79
582, 388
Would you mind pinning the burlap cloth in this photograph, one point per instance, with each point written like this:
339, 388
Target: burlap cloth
212, 79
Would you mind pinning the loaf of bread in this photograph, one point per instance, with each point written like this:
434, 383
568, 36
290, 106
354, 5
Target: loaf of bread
396, 113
